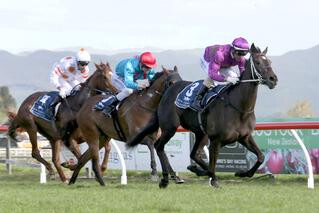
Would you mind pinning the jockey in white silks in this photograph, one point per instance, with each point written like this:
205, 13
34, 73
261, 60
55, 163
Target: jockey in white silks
223, 64
131, 74
69, 72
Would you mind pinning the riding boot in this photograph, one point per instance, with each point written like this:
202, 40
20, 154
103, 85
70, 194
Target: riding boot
110, 108
51, 108
197, 104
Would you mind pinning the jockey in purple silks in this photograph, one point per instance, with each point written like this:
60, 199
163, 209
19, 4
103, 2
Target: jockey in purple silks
220, 62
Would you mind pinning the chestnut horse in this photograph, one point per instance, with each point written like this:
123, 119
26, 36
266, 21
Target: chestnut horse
228, 119
134, 113
99, 81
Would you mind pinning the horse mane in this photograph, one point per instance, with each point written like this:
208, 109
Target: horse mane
102, 66
156, 76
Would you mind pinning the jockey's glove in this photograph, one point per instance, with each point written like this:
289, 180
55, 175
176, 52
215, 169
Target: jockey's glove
232, 80
62, 93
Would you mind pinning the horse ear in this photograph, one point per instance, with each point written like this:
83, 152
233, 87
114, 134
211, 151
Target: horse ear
265, 51
108, 65
253, 48
175, 69
163, 68
166, 72
97, 66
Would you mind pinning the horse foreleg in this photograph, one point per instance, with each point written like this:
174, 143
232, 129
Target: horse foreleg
201, 141
56, 150
213, 155
75, 148
159, 146
81, 162
36, 152
251, 145
150, 144
94, 151
107, 150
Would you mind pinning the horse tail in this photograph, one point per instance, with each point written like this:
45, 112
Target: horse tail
151, 127
13, 124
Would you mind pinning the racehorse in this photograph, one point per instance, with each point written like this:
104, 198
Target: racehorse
99, 81
228, 119
134, 113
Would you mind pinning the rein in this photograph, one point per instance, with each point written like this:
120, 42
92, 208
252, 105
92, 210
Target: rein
254, 72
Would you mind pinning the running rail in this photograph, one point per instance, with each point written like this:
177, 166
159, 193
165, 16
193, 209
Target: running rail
292, 126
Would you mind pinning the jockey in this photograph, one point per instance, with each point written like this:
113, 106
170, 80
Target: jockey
219, 62
131, 74
69, 72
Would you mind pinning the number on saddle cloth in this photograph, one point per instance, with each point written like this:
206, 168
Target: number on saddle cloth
187, 96
41, 107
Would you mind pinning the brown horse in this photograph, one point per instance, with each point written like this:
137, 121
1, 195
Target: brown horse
134, 113
98, 82
226, 120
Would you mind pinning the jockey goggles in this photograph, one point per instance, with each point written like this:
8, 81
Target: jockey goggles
84, 63
240, 52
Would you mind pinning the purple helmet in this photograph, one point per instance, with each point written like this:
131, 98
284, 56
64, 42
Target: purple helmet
240, 44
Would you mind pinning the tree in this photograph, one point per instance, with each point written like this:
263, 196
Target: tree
301, 109
7, 102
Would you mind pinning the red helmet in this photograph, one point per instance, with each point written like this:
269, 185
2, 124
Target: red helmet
148, 59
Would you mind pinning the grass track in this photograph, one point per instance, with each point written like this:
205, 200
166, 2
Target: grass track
22, 192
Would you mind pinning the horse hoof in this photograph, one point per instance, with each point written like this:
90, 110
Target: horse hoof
163, 184
192, 168
154, 178
51, 176
214, 183
179, 180
65, 165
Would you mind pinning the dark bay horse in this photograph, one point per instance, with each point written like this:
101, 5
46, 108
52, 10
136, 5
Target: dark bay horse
226, 120
99, 81
134, 113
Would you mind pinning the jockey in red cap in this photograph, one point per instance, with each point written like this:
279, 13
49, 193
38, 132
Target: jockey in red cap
130, 74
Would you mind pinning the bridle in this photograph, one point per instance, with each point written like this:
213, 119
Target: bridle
254, 73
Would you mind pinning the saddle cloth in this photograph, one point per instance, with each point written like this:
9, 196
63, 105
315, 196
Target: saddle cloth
187, 96
41, 106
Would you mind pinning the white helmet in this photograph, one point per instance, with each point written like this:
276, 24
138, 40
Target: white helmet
83, 55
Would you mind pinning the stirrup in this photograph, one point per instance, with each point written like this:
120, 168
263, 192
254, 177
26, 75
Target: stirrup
108, 111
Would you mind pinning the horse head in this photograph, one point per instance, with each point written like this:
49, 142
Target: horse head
162, 80
101, 79
261, 69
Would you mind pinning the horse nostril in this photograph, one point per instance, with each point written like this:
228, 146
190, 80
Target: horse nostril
273, 78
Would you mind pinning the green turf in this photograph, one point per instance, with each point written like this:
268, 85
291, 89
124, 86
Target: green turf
22, 192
